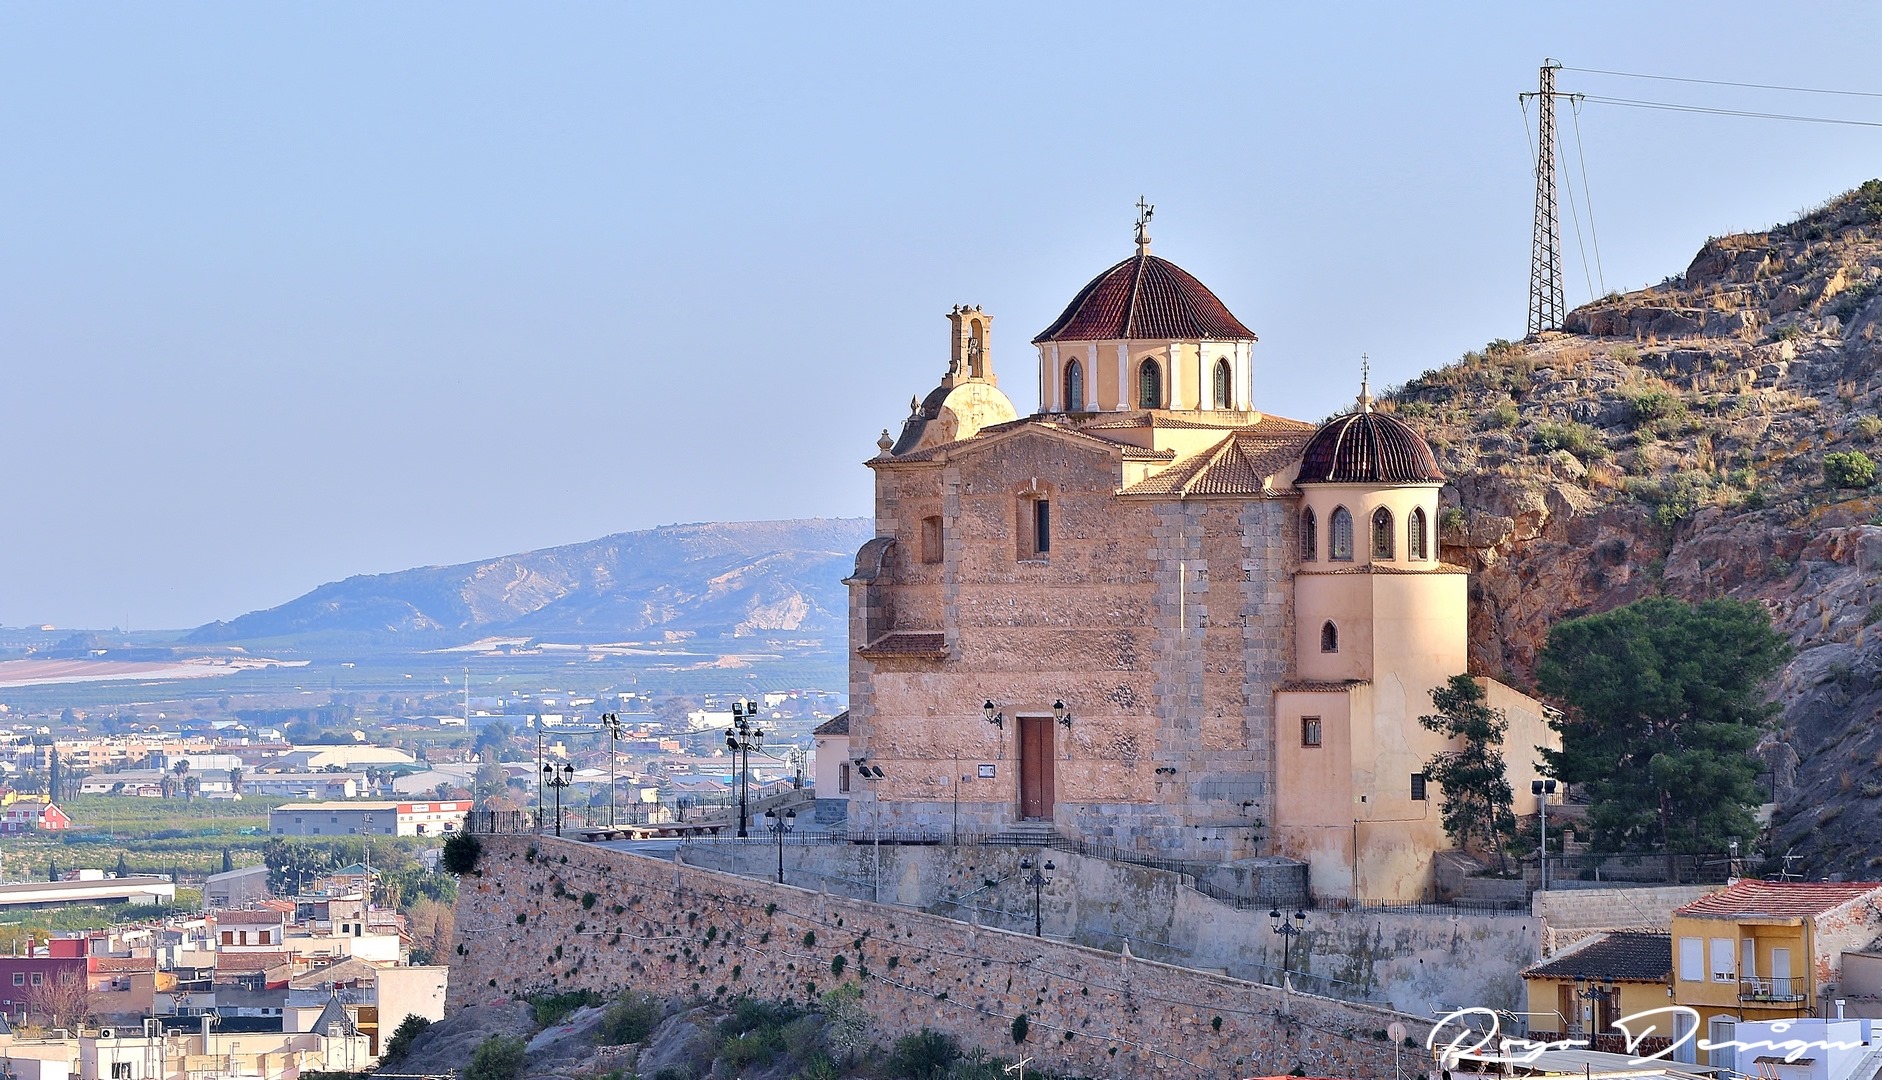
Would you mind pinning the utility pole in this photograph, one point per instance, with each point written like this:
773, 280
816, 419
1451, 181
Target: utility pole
1545, 253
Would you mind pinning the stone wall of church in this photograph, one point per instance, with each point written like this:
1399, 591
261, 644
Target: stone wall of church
546, 914
1162, 625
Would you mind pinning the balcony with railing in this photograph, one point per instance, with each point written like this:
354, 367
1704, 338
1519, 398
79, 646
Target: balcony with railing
1780, 991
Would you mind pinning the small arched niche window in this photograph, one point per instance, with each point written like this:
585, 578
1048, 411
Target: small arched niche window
1074, 387
1415, 533
1382, 533
1309, 536
1150, 385
1340, 543
1329, 637
1224, 399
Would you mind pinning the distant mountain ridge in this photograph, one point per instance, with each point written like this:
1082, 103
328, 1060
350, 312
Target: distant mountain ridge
709, 580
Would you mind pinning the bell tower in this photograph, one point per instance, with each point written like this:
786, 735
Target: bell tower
970, 354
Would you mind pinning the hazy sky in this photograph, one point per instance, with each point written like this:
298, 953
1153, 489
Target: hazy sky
290, 292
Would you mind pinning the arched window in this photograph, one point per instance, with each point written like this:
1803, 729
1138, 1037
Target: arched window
1415, 534
1150, 385
1309, 536
1382, 533
1329, 637
1340, 544
1074, 387
1223, 398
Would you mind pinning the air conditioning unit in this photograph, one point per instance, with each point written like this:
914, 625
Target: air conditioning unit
107, 1033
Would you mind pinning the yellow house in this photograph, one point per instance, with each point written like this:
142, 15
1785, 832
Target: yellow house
1580, 992
1769, 950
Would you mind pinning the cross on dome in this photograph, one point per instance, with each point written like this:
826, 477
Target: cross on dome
1145, 212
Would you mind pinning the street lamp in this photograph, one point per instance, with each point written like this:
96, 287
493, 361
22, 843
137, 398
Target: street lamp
1037, 876
872, 775
780, 824
558, 777
993, 715
611, 721
1062, 714
1541, 789
744, 736
1288, 931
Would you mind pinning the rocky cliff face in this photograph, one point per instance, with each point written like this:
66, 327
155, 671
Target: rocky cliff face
1684, 439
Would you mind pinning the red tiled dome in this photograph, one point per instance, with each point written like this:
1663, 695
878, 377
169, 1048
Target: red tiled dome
1368, 447
1145, 297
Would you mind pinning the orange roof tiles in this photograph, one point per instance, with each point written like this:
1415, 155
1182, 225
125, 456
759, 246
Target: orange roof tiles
1778, 899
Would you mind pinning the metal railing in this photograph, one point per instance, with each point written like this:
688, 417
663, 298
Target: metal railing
1780, 990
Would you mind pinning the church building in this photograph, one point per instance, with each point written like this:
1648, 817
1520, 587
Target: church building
1150, 616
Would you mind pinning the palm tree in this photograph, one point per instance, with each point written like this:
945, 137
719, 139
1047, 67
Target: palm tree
235, 779
181, 769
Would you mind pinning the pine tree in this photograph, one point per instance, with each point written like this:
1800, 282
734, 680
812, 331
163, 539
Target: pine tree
1477, 796
1664, 704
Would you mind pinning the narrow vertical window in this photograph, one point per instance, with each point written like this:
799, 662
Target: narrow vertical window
1382, 533
1415, 535
1074, 387
1329, 637
1041, 526
1150, 385
1309, 536
931, 539
1224, 399
1418, 786
1340, 543
843, 777
1310, 731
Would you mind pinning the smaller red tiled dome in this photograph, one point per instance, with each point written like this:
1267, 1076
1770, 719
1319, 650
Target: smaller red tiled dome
1367, 447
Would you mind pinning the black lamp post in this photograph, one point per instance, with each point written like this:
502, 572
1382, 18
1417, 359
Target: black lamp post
558, 777
1288, 931
1037, 876
611, 721
1542, 789
744, 737
780, 824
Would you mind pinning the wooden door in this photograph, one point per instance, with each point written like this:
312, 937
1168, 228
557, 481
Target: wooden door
1035, 768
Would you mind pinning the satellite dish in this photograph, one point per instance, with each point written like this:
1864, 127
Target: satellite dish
1396, 1032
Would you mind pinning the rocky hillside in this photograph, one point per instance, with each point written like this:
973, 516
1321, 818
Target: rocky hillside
1707, 436
723, 580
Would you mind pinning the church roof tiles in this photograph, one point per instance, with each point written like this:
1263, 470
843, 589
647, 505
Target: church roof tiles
1145, 297
1368, 447
1239, 465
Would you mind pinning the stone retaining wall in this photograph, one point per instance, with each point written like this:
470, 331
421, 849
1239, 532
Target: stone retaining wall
546, 914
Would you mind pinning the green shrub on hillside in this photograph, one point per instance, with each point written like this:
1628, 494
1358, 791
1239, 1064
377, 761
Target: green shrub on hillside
496, 1058
1646, 407
1848, 469
630, 1020
400, 1043
551, 1009
1578, 439
925, 1055
1503, 416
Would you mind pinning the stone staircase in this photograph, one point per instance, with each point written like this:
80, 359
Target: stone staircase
1027, 834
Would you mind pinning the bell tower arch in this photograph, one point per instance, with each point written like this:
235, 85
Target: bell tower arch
970, 350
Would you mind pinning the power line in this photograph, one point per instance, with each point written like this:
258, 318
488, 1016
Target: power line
1727, 82
1675, 107
1587, 196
